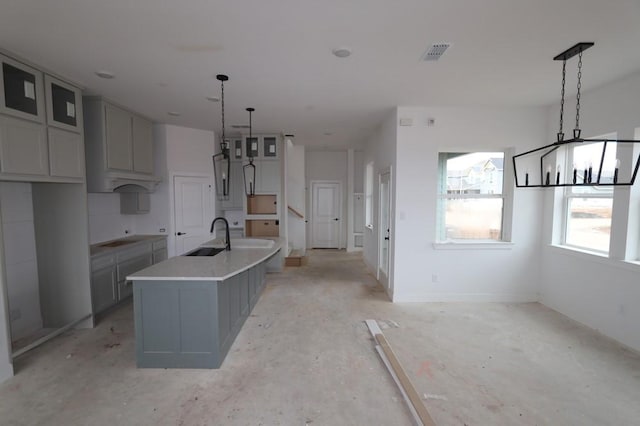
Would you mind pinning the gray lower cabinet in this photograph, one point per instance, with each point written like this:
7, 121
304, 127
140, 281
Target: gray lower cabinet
103, 288
109, 271
192, 324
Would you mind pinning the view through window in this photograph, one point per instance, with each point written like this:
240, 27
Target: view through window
589, 208
470, 196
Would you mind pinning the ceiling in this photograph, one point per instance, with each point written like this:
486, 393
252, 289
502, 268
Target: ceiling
277, 53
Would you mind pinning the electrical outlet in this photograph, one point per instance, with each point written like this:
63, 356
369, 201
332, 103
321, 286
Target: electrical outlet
163, 230
15, 314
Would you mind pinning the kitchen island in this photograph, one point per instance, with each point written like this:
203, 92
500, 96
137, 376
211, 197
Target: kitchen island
188, 310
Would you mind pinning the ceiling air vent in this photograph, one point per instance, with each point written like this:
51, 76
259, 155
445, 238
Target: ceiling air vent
434, 51
239, 126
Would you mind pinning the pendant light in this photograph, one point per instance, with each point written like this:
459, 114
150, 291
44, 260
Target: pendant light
605, 161
222, 160
249, 170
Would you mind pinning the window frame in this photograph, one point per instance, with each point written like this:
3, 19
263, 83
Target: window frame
368, 195
506, 196
568, 194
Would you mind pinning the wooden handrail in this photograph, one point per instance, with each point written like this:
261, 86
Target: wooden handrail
296, 212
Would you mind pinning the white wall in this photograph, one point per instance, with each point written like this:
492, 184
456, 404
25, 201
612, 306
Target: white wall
603, 293
422, 272
21, 266
105, 220
327, 165
295, 181
381, 150
182, 151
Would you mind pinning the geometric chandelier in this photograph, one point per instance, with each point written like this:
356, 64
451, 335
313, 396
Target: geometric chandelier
599, 161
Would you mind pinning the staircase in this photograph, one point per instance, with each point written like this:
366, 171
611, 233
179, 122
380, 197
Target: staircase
295, 258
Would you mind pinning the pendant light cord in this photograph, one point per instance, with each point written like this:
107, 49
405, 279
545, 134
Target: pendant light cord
222, 99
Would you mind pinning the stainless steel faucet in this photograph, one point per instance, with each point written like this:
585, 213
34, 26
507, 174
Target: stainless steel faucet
227, 237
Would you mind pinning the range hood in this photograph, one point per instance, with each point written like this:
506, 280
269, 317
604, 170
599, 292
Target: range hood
122, 183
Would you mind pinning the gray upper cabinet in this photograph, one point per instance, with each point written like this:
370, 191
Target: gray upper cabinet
118, 138
142, 145
66, 153
21, 92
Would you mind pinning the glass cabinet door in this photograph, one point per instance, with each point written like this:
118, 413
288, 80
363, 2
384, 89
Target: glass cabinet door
270, 149
237, 149
21, 90
252, 147
64, 109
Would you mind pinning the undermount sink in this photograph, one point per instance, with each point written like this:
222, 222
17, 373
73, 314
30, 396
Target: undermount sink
116, 243
205, 251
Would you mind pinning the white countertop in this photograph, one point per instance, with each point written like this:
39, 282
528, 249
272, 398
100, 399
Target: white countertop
208, 268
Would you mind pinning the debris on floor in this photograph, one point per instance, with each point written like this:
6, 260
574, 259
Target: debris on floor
434, 396
385, 324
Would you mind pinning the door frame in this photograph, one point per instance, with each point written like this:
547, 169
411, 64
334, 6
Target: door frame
382, 231
171, 233
312, 183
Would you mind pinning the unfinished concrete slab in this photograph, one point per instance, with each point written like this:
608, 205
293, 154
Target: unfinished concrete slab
305, 356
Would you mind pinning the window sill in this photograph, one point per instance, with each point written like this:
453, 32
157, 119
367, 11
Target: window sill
476, 245
602, 258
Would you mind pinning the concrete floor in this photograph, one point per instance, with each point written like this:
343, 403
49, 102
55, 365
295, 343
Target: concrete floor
305, 357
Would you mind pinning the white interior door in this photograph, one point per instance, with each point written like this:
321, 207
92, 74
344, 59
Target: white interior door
326, 214
193, 212
385, 228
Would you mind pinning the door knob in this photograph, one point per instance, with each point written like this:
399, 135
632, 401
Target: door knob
336, 218
386, 238
181, 233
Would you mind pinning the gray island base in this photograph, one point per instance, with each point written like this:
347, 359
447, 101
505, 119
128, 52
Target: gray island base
186, 323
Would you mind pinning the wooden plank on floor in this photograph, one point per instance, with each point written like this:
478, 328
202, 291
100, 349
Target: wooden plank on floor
403, 379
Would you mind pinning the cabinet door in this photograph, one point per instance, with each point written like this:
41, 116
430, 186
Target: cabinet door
127, 267
64, 104
23, 147
270, 147
269, 172
118, 138
103, 289
66, 153
251, 147
160, 255
142, 146
21, 92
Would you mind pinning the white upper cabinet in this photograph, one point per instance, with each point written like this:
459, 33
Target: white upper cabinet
21, 92
118, 138
119, 147
64, 104
142, 145
41, 125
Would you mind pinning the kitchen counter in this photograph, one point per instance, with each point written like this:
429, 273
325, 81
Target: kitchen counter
120, 243
244, 254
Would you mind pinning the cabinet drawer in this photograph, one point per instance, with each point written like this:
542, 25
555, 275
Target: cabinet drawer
262, 228
102, 262
133, 265
160, 244
133, 252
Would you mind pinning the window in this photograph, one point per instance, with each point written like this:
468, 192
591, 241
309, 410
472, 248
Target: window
588, 209
368, 200
471, 200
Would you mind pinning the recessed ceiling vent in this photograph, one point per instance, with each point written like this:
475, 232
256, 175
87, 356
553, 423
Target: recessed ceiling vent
435, 51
